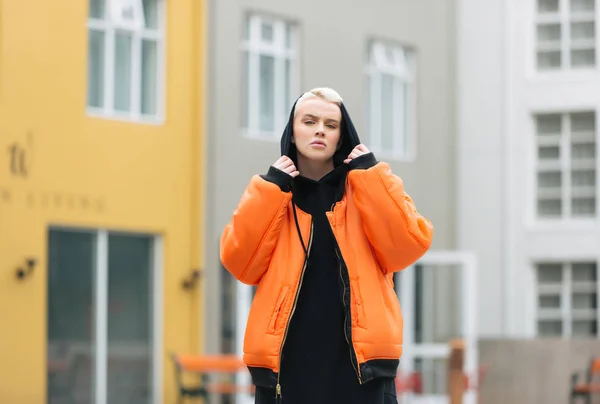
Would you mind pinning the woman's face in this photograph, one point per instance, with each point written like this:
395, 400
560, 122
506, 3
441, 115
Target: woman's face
317, 129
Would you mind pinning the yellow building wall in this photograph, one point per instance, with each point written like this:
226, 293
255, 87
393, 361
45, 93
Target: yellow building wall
93, 173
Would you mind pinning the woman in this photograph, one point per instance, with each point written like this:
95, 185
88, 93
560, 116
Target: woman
321, 235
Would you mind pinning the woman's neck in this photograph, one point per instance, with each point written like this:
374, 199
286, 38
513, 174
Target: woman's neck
314, 170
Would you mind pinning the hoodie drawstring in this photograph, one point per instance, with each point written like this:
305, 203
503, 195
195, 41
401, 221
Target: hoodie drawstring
298, 229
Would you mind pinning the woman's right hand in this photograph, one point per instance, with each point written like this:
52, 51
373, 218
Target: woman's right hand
286, 165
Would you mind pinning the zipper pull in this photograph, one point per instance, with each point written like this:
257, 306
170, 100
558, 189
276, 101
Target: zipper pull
278, 397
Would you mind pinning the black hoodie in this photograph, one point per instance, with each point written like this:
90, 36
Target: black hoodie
317, 361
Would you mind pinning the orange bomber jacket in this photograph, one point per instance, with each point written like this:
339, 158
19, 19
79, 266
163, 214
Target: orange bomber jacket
378, 231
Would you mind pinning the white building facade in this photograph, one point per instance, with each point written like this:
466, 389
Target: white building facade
528, 146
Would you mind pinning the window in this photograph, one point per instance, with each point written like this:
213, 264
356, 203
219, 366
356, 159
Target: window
103, 323
125, 59
270, 85
566, 165
391, 101
567, 299
566, 34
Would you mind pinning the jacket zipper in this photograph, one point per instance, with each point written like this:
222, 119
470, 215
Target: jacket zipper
350, 345
278, 395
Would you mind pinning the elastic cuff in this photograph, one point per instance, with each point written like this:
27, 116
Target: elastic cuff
279, 178
363, 162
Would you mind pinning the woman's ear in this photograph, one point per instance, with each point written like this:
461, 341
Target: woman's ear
293, 139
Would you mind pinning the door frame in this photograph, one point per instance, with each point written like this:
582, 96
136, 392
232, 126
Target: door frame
405, 289
406, 292
244, 296
100, 277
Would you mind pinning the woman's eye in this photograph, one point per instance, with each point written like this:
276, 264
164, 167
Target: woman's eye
309, 122
332, 126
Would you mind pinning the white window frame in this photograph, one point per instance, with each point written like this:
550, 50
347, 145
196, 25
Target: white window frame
563, 18
404, 72
110, 25
101, 311
116, 13
565, 162
256, 47
565, 313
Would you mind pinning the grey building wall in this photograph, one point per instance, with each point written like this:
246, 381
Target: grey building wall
334, 37
534, 371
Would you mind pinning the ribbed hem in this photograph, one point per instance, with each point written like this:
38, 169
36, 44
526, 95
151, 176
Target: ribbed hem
263, 377
377, 368
370, 370
278, 177
363, 162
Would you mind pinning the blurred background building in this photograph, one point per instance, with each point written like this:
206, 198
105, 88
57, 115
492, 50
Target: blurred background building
528, 96
529, 90
131, 127
101, 110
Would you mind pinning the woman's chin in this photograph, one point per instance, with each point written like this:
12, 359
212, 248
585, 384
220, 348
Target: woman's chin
317, 155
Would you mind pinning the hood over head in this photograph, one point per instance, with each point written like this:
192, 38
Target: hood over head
348, 136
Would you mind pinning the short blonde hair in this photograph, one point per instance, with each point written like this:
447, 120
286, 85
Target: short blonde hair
323, 93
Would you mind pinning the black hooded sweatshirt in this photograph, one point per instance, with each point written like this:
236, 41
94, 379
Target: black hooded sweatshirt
318, 363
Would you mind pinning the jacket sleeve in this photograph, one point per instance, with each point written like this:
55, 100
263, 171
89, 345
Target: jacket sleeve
398, 234
249, 239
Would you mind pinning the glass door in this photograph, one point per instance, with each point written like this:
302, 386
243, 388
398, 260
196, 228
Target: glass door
439, 301
103, 318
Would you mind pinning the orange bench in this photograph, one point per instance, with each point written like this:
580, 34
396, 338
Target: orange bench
205, 366
590, 386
